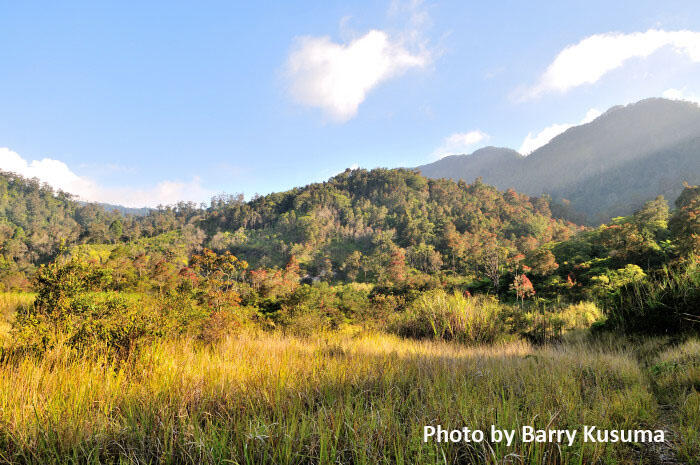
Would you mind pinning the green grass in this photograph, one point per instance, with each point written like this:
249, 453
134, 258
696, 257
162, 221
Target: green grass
453, 317
361, 400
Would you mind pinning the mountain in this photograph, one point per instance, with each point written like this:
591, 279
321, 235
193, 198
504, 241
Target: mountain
36, 222
606, 168
492, 164
143, 211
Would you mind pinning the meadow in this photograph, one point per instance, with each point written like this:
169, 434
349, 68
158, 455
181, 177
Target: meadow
351, 397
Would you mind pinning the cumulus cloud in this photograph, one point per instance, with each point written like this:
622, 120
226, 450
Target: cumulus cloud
59, 176
593, 57
534, 141
681, 94
459, 143
336, 77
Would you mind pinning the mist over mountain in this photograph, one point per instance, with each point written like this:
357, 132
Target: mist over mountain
606, 168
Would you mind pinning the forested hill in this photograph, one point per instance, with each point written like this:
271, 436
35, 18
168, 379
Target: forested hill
353, 226
358, 223
35, 220
605, 168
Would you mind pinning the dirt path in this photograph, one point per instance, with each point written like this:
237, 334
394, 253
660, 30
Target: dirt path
664, 452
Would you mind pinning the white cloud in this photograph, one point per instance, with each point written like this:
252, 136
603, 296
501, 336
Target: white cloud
337, 77
681, 94
58, 175
591, 114
459, 143
534, 141
593, 57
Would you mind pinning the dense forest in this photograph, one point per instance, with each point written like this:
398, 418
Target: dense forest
349, 228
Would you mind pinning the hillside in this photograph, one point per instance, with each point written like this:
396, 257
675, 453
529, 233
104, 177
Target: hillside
35, 220
490, 163
350, 227
357, 221
605, 168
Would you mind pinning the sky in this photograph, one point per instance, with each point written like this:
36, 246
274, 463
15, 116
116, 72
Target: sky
148, 103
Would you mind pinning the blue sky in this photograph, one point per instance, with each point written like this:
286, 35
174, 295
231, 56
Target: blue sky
141, 103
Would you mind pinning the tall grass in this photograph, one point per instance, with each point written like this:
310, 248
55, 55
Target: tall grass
453, 317
667, 303
543, 322
9, 303
483, 319
676, 375
279, 400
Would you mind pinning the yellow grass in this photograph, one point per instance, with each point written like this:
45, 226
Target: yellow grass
9, 302
332, 399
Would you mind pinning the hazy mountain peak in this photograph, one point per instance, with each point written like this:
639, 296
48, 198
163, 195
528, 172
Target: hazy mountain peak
607, 167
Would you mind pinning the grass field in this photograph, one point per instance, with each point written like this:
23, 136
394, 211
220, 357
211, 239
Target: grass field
278, 400
342, 398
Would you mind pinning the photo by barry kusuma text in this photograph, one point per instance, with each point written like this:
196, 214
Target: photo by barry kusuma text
526, 433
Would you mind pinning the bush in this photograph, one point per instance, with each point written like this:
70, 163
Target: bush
579, 316
454, 317
311, 309
222, 323
667, 303
71, 308
10, 303
114, 320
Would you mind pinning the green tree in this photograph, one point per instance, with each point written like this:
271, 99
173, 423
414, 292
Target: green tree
543, 262
116, 230
217, 278
685, 223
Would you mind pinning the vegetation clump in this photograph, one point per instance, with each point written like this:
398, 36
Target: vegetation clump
453, 317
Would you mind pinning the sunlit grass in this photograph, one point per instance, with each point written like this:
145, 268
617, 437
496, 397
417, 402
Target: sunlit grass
9, 302
332, 399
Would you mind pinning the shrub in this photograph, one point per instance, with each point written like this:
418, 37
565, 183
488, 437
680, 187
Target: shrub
10, 303
114, 320
667, 303
71, 308
111, 319
439, 315
311, 309
579, 316
222, 323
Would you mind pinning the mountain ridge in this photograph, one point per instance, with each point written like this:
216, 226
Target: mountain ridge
624, 134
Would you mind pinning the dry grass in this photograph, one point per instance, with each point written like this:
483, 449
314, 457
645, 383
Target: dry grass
677, 378
9, 303
271, 399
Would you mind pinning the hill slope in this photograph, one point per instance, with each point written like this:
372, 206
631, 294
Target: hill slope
358, 220
605, 168
36, 221
354, 226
